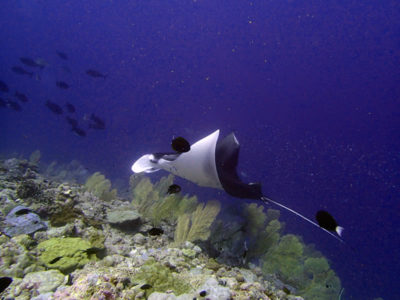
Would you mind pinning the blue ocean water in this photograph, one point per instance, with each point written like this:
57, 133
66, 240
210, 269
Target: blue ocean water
310, 88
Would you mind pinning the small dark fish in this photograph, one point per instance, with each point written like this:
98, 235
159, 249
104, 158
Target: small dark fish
62, 85
3, 87
14, 105
180, 145
96, 122
54, 107
326, 221
173, 189
29, 62
21, 71
78, 131
4, 283
96, 119
97, 126
62, 55
146, 286
70, 108
286, 290
72, 121
156, 231
21, 97
203, 293
23, 211
95, 74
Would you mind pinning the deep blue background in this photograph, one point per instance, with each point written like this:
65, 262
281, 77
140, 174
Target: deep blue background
311, 89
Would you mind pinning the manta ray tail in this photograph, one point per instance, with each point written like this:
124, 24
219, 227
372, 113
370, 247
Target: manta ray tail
268, 200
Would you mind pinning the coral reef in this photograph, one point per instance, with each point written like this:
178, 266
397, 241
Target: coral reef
39, 283
161, 278
72, 172
65, 254
16, 260
310, 275
99, 246
34, 158
100, 186
146, 196
22, 220
264, 229
238, 243
153, 202
124, 217
196, 226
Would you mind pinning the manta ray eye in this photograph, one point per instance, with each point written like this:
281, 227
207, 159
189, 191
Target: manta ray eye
180, 145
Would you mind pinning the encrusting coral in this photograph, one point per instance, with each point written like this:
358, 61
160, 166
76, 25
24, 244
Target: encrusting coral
161, 278
15, 258
65, 254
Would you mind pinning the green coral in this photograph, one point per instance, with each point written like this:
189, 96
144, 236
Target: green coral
144, 195
161, 278
196, 226
264, 229
16, 260
153, 201
99, 186
290, 260
324, 283
65, 214
265, 240
96, 238
255, 218
285, 259
172, 207
65, 254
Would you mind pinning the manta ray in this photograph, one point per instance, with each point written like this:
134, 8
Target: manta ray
211, 162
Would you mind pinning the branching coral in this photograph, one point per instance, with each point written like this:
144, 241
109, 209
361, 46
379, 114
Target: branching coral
153, 201
312, 276
263, 229
324, 284
196, 226
146, 196
255, 218
73, 171
99, 186
284, 259
172, 206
